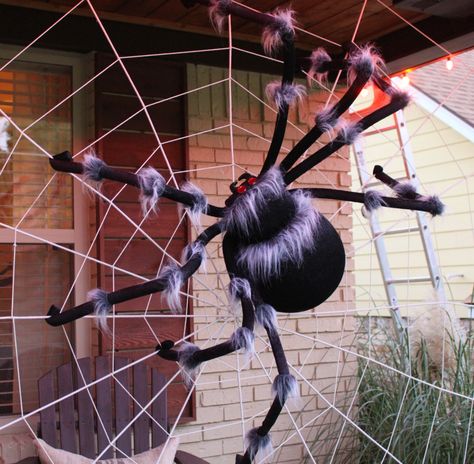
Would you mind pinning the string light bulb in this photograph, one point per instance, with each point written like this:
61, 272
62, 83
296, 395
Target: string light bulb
449, 64
405, 81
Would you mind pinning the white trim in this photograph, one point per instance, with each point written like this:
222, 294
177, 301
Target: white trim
443, 114
79, 235
439, 111
82, 268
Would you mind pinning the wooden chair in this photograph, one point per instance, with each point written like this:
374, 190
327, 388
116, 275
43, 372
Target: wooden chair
75, 426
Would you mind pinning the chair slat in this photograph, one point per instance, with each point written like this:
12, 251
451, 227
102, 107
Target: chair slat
159, 408
85, 411
48, 415
116, 406
141, 426
122, 408
104, 406
67, 426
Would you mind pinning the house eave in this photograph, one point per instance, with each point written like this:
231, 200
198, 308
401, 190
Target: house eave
445, 115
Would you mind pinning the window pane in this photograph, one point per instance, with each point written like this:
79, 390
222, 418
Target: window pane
27, 92
43, 274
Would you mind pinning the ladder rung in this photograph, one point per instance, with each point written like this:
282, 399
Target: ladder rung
403, 280
373, 184
405, 230
382, 129
376, 183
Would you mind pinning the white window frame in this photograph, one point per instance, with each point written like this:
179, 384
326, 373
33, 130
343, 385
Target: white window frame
79, 235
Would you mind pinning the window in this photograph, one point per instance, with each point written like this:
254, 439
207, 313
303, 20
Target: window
37, 211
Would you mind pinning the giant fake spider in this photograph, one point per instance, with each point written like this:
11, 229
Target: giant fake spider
282, 255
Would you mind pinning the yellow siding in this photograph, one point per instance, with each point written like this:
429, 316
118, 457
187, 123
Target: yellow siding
444, 161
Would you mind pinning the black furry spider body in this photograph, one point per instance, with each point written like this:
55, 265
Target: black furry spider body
291, 255
281, 253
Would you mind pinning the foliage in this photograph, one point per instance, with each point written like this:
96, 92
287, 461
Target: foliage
404, 412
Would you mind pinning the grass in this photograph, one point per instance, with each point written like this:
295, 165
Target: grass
414, 421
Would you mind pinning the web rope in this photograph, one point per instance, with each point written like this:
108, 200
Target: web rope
306, 431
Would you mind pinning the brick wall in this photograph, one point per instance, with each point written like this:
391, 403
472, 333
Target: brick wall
233, 388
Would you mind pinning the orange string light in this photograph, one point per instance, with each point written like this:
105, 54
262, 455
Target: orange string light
449, 64
405, 81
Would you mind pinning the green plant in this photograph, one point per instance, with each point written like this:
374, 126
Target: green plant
406, 413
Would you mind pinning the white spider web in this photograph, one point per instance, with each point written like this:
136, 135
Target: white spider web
325, 364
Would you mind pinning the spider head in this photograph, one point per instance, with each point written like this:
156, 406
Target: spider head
245, 182
259, 207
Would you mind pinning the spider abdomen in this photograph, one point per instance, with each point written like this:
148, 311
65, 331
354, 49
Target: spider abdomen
299, 266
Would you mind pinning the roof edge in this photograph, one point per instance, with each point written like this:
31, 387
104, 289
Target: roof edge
445, 115
430, 54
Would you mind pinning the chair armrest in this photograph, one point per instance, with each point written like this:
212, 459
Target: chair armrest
30, 460
186, 458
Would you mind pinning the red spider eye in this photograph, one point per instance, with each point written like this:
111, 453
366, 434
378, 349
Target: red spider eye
252, 180
241, 189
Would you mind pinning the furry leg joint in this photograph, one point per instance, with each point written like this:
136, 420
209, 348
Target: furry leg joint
92, 166
174, 281
102, 307
258, 444
285, 386
152, 185
265, 316
243, 339
189, 366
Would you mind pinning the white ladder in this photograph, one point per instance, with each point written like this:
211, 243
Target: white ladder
434, 275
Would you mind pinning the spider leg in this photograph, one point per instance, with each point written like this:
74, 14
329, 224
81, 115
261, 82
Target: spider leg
284, 386
190, 357
150, 182
171, 280
402, 189
279, 31
328, 118
373, 200
398, 100
282, 102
